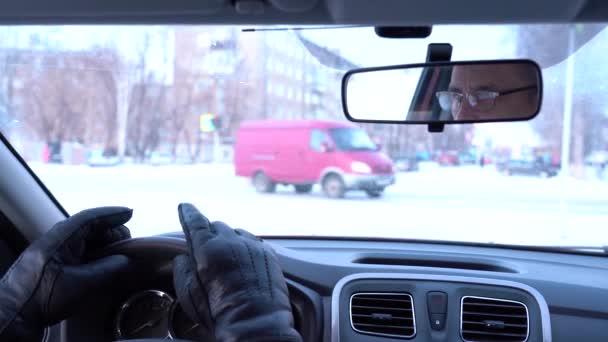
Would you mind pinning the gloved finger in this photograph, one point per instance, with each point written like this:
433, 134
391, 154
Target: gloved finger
72, 236
224, 230
190, 294
195, 225
246, 234
78, 283
107, 237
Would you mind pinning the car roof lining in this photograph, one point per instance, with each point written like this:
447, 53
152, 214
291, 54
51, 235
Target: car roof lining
392, 12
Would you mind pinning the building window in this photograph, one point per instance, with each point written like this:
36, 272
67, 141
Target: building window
280, 90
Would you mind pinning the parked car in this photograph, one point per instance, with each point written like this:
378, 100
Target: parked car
466, 158
337, 155
597, 161
530, 167
406, 164
448, 158
159, 158
597, 158
98, 158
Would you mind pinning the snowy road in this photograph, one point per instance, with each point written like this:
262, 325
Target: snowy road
467, 203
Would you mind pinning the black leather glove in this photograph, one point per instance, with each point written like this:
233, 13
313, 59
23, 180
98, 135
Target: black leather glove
53, 275
231, 282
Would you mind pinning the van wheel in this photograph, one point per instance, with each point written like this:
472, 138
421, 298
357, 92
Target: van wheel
303, 188
333, 186
374, 193
262, 183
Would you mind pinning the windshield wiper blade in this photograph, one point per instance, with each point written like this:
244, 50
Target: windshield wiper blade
599, 249
589, 249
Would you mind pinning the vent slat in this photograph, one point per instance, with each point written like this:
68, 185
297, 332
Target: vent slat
379, 308
493, 333
496, 305
505, 324
383, 299
384, 326
370, 316
477, 313
490, 319
384, 314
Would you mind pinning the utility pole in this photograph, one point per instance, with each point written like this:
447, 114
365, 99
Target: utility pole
568, 103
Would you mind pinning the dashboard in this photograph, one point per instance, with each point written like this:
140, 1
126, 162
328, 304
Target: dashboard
378, 291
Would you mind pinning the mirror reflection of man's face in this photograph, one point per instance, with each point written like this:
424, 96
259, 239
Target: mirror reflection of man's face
490, 79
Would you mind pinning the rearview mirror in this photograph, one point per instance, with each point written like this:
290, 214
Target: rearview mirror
445, 92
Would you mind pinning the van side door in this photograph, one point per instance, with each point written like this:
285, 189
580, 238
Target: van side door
320, 154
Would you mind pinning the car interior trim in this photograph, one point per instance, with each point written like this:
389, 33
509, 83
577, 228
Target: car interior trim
497, 300
335, 297
22, 189
382, 293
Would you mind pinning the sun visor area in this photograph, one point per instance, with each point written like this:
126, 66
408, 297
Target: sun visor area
294, 6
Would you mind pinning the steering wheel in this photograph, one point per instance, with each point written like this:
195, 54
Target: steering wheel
158, 251
155, 254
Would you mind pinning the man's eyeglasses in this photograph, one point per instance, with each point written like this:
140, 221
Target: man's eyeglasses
481, 100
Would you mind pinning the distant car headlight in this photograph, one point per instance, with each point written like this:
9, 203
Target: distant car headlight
360, 167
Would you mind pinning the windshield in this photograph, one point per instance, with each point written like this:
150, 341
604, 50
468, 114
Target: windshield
238, 123
352, 139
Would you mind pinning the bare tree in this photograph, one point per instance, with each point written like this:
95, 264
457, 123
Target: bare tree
106, 65
146, 111
56, 100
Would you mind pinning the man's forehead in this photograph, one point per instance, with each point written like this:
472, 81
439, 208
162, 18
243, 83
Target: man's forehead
481, 75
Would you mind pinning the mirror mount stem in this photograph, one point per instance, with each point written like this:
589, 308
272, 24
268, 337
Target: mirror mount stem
438, 52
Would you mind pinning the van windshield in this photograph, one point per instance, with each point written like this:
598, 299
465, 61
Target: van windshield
352, 139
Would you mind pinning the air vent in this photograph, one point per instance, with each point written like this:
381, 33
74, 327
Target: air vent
384, 314
490, 319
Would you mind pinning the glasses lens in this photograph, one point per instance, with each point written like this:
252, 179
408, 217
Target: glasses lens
446, 99
449, 101
482, 100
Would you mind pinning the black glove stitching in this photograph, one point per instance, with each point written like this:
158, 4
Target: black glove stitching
253, 265
198, 314
45, 309
235, 259
268, 274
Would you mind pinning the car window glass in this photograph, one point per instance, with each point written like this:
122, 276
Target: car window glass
317, 138
148, 116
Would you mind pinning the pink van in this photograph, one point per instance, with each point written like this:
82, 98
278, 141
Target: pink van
337, 155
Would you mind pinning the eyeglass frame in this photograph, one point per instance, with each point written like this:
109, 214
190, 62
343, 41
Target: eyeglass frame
496, 94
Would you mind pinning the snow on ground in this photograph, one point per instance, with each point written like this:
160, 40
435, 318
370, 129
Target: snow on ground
467, 203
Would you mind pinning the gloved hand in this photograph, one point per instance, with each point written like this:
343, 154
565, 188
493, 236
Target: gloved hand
53, 275
231, 282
